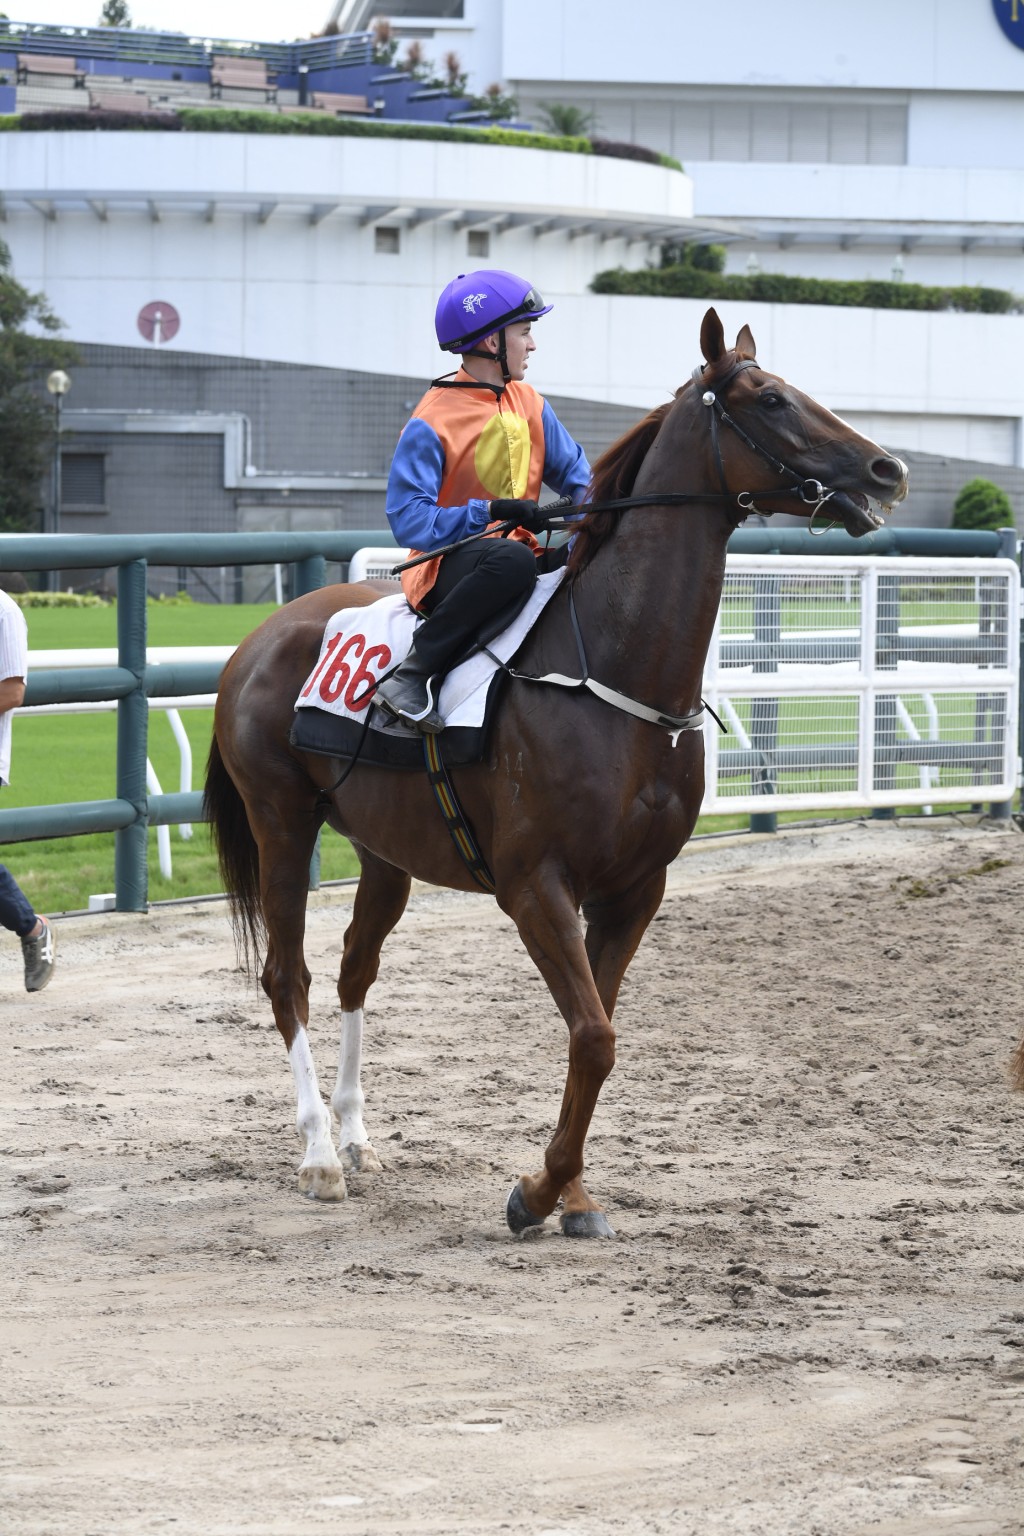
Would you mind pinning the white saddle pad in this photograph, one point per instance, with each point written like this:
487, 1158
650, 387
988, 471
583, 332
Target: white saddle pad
361, 644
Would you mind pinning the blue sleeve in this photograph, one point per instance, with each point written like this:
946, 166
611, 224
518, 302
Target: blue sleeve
565, 464
414, 485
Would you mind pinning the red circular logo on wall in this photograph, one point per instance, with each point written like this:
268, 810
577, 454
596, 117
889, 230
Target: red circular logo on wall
158, 322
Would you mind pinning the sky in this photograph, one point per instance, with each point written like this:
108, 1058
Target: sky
250, 20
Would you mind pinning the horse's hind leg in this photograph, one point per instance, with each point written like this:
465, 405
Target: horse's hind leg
380, 901
285, 849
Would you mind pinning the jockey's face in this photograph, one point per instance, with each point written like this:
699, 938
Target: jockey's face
519, 343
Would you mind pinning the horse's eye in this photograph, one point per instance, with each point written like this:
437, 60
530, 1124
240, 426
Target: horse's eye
770, 401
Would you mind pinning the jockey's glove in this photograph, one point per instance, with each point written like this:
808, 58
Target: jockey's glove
525, 514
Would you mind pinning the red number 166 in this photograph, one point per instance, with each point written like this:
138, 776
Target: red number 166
336, 673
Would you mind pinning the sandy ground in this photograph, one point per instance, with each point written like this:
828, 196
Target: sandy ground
811, 1322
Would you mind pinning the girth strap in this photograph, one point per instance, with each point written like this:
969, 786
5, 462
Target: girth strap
454, 819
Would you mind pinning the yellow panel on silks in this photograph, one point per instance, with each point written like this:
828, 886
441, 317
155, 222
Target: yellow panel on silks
503, 455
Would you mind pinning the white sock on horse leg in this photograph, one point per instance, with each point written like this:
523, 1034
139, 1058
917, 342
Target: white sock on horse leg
348, 1099
312, 1117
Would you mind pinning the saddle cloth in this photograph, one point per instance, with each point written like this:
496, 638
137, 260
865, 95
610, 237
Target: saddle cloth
361, 644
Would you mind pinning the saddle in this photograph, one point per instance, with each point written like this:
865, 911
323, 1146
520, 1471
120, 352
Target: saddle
335, 714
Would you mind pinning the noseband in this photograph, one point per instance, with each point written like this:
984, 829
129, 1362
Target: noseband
811, 492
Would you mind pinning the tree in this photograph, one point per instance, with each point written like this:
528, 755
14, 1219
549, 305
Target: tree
983, 504
26, 424
115, 13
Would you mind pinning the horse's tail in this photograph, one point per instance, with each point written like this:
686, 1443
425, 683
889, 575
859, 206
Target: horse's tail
238, 856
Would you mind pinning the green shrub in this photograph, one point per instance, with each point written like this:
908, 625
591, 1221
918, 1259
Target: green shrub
983, 504
226, 120
58, 600
566, 119
313, 124
688, 281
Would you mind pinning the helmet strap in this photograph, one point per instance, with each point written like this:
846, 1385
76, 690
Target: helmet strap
502, 358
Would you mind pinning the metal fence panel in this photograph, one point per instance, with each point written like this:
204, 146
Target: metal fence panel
851, 681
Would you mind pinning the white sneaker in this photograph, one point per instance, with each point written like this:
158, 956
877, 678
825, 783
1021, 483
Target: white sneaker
39, 952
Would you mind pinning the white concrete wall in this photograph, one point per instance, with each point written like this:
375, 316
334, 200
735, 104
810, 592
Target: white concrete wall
893, 198
960, 129
405, 171
897, 194
286, 288
962, 371
944, 45
289, 290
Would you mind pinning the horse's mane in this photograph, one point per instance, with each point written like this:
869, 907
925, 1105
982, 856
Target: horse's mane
613, 477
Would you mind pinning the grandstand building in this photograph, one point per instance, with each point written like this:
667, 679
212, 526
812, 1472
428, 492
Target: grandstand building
254, 309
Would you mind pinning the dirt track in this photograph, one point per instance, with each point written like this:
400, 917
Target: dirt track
812, 1321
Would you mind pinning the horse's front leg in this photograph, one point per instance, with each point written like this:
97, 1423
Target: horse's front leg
614, 931
284, 881
549, 926
380, 900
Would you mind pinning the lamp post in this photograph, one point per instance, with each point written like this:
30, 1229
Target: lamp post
58, 385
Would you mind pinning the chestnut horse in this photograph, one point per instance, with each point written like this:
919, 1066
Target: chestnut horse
580, 803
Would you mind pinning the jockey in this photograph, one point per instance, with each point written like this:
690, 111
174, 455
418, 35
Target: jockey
475, 452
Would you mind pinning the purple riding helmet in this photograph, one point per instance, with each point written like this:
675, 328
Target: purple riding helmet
476, 303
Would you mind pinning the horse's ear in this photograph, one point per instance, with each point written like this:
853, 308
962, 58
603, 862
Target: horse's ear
712, 337
745, 344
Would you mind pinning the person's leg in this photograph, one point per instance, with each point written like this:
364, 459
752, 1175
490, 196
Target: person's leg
15, 909
38, 942
473, 584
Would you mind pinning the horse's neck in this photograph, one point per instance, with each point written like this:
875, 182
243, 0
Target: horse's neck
651, 594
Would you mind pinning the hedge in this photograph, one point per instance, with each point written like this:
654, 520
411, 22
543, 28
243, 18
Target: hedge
689, 282
245, 120
45, 122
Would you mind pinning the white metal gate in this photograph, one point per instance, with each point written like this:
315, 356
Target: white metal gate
871, 681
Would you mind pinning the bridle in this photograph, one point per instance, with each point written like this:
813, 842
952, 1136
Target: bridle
811, 492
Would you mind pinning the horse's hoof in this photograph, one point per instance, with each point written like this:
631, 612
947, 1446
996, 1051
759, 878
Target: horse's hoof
586, 1224
359, 1157
322, 1183
518, 1213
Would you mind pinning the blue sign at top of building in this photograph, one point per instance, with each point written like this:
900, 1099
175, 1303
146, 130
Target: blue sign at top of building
1010, 16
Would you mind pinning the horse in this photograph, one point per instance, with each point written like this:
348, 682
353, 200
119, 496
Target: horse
584, 797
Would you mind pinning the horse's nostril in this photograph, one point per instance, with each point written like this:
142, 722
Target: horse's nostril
888, 471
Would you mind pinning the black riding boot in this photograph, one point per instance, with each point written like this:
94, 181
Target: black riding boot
410, 694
